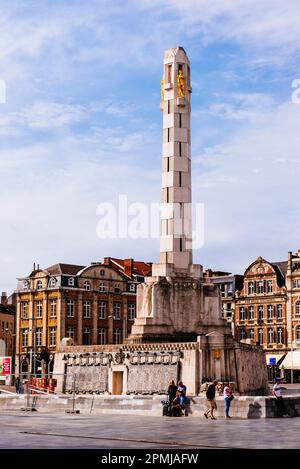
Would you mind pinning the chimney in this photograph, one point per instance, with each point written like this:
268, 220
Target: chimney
128, 267
34, 266
3, 298
106, 261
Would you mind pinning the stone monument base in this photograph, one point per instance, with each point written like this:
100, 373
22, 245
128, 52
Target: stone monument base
134, 369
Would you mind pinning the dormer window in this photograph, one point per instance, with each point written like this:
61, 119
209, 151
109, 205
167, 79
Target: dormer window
132, 287
25, 285
117, 288
52, 282
71, 282
39, 285
87, 285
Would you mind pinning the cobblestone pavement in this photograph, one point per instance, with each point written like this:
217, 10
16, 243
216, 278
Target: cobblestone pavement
69, 431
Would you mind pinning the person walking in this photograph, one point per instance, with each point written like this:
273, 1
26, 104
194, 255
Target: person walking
210, 396
277, 393
228, 396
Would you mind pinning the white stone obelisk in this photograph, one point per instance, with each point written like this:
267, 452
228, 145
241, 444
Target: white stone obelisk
176, 255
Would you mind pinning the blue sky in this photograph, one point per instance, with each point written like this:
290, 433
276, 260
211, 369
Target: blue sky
81, 124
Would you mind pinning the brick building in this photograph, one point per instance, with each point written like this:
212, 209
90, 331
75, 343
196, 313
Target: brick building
7, 325
261, 306
92, 304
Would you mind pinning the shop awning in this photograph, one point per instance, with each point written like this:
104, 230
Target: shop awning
291, 361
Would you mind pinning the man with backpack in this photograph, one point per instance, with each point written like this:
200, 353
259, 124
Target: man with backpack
210, 396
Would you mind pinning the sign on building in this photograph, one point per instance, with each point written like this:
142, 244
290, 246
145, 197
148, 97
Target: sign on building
5, 366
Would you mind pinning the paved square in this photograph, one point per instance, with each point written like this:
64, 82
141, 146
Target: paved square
69, 431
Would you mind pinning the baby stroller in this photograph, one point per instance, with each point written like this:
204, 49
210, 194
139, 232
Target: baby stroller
167, 408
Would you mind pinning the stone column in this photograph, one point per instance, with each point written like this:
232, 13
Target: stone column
176, 222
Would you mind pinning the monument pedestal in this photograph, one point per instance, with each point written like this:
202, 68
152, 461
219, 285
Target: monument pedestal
176, 308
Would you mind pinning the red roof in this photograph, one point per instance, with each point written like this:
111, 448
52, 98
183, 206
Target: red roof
139, 267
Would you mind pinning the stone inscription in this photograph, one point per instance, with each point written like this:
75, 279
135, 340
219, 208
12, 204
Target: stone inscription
148, 379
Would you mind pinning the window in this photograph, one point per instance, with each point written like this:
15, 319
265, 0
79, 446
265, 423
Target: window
250, 288
279, 311
38, 336
52, 282
86, 336
117, 336
180, 178
269, 286
24, 337
86, 309
251, 334
228, 311
269, 312
39, 308
270, 336
298, 334
131, 311
70, 308
102, 336
53, 304
169, 73
25, 285
70, 332
117, 288
39, 285
24, 309
242, 314
52, 331
280, 335
87, 285
260, 336
102, 309
117, 312
180, 120
71, 282
251, 312
180, 149
260, 287
260, 312
102, 272
230, 289
101, 287
132, 287
242, 334
298, 308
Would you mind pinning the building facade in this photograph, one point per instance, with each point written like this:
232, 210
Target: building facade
7, 326
228, 284
261, 306
94, 304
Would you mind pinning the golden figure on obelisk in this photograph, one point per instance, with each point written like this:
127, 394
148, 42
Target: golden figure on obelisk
180, 84
162, 83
